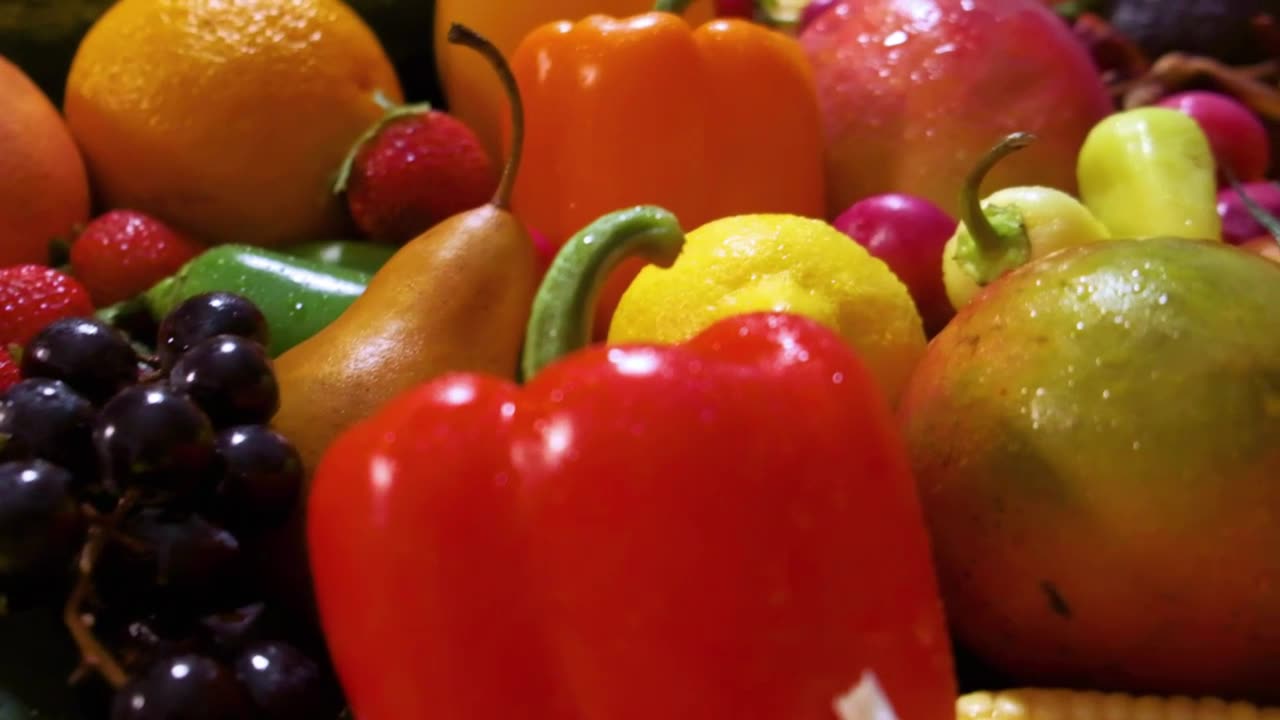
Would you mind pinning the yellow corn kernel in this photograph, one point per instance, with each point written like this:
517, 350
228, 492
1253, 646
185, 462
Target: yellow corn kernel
1040, 704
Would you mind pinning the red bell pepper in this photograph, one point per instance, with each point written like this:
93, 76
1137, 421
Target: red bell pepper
723, 530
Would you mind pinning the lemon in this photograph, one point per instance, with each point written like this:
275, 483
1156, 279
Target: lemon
782, 263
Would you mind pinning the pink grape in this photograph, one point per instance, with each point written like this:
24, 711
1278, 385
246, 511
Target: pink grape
908, 233
1238, 138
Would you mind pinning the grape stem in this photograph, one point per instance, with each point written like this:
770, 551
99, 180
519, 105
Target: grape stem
93, 653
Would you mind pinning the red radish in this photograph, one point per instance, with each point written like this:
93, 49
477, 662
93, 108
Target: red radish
1238, 224
908, 233
1238, 138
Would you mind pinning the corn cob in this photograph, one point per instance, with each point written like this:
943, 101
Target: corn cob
1040, 704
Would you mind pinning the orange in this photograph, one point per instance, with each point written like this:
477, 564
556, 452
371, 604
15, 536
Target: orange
227, 118
43, 189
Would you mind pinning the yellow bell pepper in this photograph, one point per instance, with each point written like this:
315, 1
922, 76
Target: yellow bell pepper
472, 91
782, 263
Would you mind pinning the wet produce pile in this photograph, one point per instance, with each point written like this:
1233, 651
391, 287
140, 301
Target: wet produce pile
634, 359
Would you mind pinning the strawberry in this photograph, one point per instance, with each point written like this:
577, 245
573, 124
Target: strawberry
32, 296
9, 375
122, 253
414, 168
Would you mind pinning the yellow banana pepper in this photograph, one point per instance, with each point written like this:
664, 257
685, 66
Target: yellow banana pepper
783, 263
473, 92
1150, 172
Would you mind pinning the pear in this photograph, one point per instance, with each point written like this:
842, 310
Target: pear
455, 298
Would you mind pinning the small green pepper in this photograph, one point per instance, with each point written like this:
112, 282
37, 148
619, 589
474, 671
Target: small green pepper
359, 255
299, 297
1150, 172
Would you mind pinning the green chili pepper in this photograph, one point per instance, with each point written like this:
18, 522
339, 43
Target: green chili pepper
561, 317
299, 297
359, 255
1150, 172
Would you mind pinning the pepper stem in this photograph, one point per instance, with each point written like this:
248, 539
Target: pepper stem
1259, 213
460, 34
675, 7
564, 308
987, 238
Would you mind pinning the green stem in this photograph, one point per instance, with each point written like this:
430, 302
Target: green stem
675, 7
460, 34
989, 241
564, 308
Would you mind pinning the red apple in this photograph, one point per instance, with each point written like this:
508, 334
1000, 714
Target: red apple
913, 92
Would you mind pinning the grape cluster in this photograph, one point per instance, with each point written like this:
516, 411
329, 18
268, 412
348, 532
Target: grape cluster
141, 483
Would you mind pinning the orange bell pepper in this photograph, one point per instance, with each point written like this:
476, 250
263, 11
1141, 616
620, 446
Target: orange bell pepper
708, 123
474, 95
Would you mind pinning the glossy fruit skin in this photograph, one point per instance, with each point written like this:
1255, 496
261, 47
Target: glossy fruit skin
122, 253
908, 234
298, 297
691, 580
262, 476
284, 683
474, 95
1149, 172
1237, 136
417, 171
153, 438
44, 191
92, 357
1238, 224
230, 378
1094, 438
39, 519
184, 687
914, 92
32, 296
206, 316
151, 91
46, 419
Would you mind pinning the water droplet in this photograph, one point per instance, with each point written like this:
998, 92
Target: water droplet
1106, 394
837, 378
1080, 325
1163, 299
1033, 311
1040, 392
1137, 445
895, 38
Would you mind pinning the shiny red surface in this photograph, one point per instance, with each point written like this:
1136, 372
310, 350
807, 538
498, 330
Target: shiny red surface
717, 531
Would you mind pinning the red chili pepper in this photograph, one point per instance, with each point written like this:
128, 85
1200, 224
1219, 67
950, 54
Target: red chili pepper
723, 530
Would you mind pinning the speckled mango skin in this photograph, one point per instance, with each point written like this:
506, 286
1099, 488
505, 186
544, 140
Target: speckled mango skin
1097, 443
